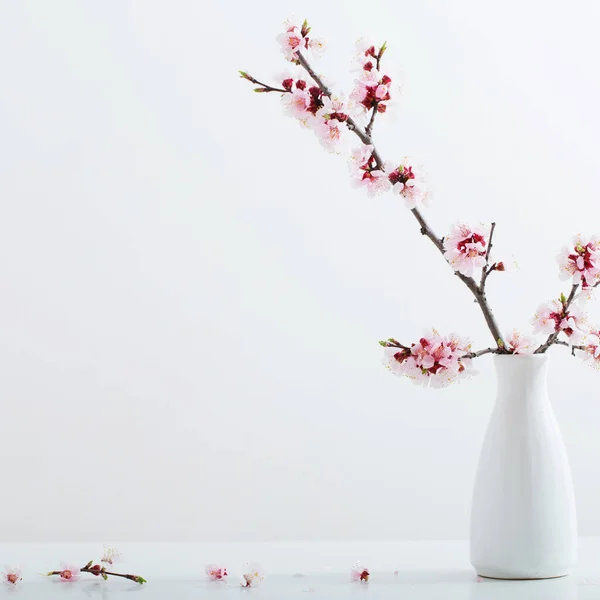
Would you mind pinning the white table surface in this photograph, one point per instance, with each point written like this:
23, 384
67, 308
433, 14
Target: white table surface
426, 570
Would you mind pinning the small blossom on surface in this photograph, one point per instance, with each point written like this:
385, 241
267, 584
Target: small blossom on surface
516, 343
69, 572
216, 573
581, 261
359, 573
364, 171
408, 181
296, 39
465, 249
11, 575
434, 360
554, 317
110, 555
253, 575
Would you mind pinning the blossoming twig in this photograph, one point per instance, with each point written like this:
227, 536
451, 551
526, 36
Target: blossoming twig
264, 87
478, 292
70, 573
552, 338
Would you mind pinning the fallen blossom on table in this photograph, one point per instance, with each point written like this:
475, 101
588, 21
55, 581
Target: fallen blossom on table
359, 572
252, 576
11, 575
216, 573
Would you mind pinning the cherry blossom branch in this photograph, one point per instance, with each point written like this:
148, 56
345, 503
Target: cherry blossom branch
392, 343
96, 570
369, 127
573, 348
264, 87
482, 352
365, 138
485, 271
552, 338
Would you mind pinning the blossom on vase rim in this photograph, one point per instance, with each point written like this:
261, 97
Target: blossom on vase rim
581, 261
364, 171
11, 575
465, 249
253, 575
409, 182
554, 317
110, 555
69, 572
359, 573
516, 343
216, 573
434, 361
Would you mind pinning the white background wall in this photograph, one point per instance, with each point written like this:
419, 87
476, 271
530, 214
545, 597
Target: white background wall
191, 294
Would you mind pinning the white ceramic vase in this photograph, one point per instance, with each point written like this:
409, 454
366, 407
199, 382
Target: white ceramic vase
523, 522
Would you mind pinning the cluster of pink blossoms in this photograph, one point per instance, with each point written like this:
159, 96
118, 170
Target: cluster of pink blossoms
371, 88
365, 173
555, 317
296, 39
465, 249
434, 360
581, 261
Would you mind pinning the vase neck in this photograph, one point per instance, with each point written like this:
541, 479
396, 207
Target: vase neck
522, 378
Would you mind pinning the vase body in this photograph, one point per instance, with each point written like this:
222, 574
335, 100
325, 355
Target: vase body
523, 522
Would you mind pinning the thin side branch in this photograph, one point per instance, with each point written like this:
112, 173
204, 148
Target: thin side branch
369, 127
552, 338
573, 348
486, 271
425, 229
482, 352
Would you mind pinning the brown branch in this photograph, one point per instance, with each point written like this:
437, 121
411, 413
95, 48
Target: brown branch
482, 352
478, 292
369, 127
267, 88
552, 338
97, 570
485, 271
573, 347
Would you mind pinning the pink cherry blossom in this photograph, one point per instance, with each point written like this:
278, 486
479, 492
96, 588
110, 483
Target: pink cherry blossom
11, 575
553, 317
465, 249
291, 41
69, 572
296, 103
371, 91
581, 261
253, 575
591, 349
110, 555
359, 573
409, 182
216, 573
516, 343
434, 360
317, 46
365, 172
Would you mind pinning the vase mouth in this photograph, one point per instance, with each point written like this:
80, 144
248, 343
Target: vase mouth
523, 357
